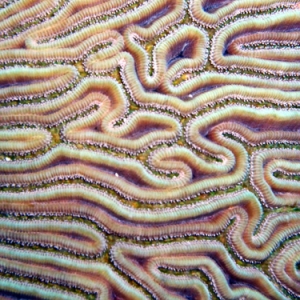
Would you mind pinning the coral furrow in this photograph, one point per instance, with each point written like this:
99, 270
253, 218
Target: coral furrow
20, 83
140, 130
71, 236
11, 287
205, 133
224, 54
276, 192
143, 263
90, 276
149, 149
211, 13
51, 28
199, 91
22, 141
207, 218
24, 11
284, 268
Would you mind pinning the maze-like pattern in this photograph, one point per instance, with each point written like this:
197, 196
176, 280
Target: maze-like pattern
149, 149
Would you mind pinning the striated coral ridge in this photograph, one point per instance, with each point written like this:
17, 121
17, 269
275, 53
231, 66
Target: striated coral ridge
149, 149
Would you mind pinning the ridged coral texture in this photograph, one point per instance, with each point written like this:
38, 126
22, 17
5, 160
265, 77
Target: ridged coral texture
149, 149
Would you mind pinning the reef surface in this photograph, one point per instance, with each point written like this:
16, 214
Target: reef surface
149, 149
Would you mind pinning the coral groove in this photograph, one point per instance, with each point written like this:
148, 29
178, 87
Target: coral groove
149, 149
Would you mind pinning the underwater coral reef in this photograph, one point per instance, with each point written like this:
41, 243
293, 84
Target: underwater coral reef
149, 149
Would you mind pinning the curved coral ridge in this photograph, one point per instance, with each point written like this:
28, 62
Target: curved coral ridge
273, 29
124, 122
143, 264
72, 236
18, 82
249, 237
23, 140
92, 276
284, 268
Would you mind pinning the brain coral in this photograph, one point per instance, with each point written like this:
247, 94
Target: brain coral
149, 149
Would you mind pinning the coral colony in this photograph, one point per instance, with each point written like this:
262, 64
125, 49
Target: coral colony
149, 149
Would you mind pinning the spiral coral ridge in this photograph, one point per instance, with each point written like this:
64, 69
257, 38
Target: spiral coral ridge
149, 149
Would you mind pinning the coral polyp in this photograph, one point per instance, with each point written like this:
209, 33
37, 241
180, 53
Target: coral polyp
149, 149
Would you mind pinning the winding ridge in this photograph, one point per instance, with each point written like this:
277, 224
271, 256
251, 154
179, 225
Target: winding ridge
18, 82
143, 264
149, 149
72, 236
249, 240
91, 276
211, 13
284, 268
227, 52
23, 140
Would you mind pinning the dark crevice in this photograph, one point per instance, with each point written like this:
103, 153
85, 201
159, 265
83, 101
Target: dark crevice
211, 6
